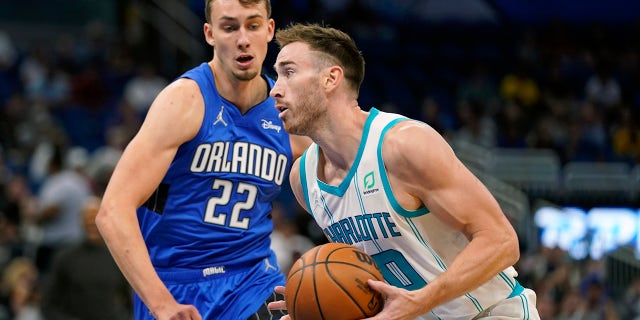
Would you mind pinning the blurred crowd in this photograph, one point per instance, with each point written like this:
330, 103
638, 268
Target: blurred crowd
69, 106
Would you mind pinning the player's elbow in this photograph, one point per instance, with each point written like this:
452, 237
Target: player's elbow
105, 219
101, 219
510, 248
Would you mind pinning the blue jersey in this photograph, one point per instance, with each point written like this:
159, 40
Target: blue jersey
212, 210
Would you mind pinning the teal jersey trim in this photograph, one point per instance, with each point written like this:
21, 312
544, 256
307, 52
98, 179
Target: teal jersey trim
303, 181
342, 188
385, 179
507, 280
517, 290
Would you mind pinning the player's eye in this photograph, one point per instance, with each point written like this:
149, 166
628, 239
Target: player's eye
229, 28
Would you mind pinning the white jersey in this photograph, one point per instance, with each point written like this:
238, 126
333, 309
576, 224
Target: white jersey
411, 247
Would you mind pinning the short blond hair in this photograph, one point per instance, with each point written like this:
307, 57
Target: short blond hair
336, 44
209, 3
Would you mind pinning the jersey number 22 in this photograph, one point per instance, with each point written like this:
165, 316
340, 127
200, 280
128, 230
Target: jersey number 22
233, 219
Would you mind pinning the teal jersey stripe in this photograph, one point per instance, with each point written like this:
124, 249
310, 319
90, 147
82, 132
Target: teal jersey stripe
441, 263
517, 290
475, 301
525, 307
342, 188
418, 236
385, 179
506, 279
326, 208
303, 181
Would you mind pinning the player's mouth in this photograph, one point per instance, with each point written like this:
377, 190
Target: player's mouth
282, 110
244, 60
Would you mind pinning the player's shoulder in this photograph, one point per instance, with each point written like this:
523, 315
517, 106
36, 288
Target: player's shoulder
181, 105
409, 130
183, 85
181, 92
411, 138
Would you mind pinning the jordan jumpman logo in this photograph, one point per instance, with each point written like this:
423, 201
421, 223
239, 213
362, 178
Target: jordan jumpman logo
219, 118
268, 265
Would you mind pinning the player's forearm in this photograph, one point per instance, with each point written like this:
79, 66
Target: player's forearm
480, 261
124, 240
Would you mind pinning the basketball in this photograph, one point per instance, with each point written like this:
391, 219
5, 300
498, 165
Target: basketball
330, 282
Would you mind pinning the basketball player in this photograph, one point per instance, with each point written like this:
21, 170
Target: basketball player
393, 187
186, 214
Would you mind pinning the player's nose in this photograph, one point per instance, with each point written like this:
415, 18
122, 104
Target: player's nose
243, 38
276, 91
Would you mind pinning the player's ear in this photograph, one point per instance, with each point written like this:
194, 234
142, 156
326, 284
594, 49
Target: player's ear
208, 34
271, 26
333, 77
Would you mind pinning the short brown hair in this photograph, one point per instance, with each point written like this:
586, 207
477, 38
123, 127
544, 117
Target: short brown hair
335, 43
209, 3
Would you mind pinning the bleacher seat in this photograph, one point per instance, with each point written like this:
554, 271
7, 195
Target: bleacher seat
535, 171
598, 182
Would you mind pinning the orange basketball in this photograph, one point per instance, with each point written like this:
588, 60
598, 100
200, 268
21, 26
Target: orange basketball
330, 282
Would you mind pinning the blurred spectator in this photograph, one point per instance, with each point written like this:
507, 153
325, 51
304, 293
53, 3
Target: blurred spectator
286, 241
598, 304
47, 136
512, 125
475, 126
60, 201
16, 135
546, 305
34, 70
602, 88
432, 114
140, 91
16, 202
9, 82
107, 156
19, 293
625, 137
42, 79
479, 86
630, 301
572, 307
520, 86
548, 133
587, 140
85, 282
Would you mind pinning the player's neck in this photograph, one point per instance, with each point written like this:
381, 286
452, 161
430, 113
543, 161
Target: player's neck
244, 94
340, 140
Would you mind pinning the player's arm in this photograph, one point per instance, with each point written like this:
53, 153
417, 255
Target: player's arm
174, 117
296, 184
423, 169
299, 144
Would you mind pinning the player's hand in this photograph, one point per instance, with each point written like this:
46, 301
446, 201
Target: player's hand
279, 305
178, 312
399, 304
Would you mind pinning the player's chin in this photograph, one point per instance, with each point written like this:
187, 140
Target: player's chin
295, 127
289, 127
246, 74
